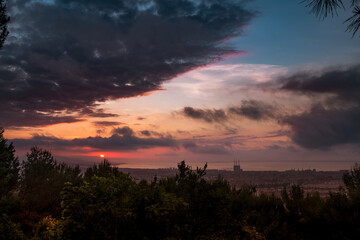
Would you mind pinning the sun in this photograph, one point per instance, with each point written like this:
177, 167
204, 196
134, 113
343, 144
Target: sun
102, 155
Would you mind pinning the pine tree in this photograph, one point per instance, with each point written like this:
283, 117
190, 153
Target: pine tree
9, 167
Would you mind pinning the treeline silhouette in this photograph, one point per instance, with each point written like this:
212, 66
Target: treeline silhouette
43, 199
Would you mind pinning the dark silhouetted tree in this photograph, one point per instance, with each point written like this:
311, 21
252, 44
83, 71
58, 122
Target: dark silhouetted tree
10, 230
352, 179
9, 176
4, 19
42, 181
103, 169
186, 173
322, 8
352, 182
9, 167
98, 208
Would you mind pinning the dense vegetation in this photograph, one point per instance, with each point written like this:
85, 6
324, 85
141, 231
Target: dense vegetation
43, 199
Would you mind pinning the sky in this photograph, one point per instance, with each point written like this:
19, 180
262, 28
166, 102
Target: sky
149, 83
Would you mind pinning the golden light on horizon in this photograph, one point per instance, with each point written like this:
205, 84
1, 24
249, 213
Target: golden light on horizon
102, 155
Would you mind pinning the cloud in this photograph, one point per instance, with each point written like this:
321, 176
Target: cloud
146, 133
98, 113
123, 139
206, 149
32, 118
71, 55
254, 110
329, 122
27, 118
251, 109
323, 128
343, 82
106, 123
149, 133
124, 131
207, 115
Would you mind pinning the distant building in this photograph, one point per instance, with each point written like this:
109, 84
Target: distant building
237, 166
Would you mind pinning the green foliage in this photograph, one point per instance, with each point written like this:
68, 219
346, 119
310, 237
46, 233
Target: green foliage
99, 209
48, 229
107, 204
294, 199
41, 183
352, 179
186, 174
337, 216
159, 214
252, 233
104, 169
9, 167
352, 182
10, 230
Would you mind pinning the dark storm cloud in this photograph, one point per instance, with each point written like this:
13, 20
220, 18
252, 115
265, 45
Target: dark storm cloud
149, 133
206, 149
208, 115
322, 128
254, 110
71, 55
122, 139
334, 121
251, 109
106, 123
124, 131
33, 118
344, 83
99, 113
146, 133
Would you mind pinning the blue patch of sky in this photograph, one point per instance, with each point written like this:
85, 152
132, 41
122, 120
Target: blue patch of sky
45, 1
286, 33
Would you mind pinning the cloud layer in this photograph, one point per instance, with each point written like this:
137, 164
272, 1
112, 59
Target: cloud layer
251, 109
64, 57
332, 117
329, 122
122, 139
343, 83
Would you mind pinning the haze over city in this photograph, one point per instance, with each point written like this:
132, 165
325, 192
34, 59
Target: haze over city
147, 84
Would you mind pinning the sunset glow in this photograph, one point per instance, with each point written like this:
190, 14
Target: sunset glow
259, 81
179, 119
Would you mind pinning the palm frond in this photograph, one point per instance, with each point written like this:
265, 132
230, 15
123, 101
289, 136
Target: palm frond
355, 2
322, 8
354, 21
